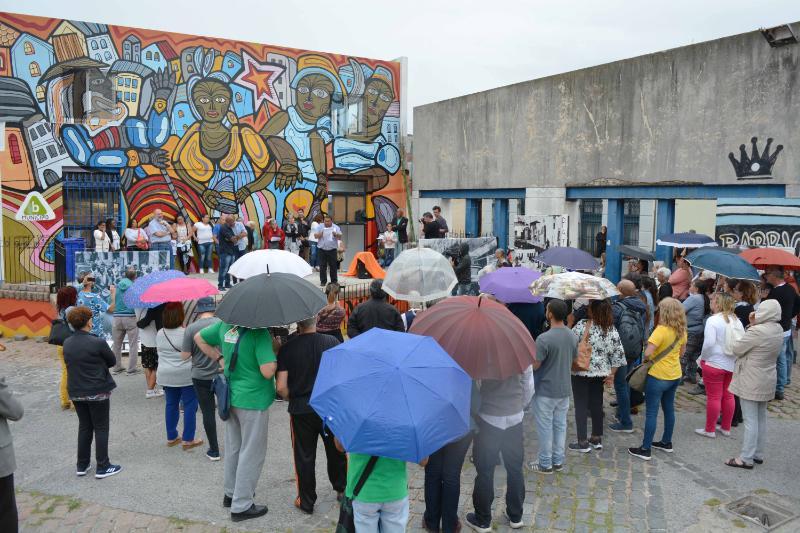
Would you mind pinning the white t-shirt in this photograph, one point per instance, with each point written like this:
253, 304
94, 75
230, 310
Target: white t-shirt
714, 341
203, 232
312, 233
101, 242
114, 241
134, 234
389, 239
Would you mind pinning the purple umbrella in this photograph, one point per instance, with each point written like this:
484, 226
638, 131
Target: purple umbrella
511, 285
133, 296
569, 258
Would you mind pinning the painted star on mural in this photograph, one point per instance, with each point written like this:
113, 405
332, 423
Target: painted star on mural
259, 78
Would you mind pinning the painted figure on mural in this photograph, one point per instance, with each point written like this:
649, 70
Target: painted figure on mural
227, 163
96, 128
298, 136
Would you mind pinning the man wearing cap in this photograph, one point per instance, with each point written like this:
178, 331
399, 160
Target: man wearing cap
204, 370
374, 313
124, 323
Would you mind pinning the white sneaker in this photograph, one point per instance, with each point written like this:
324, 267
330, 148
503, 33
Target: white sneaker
211, 271
202, 270
159, 392
514, 525
704, 433
724, 433
150, 394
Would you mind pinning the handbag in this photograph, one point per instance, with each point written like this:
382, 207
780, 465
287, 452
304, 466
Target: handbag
221, 385
581, 362
59, 332
141, 241
637, 377
346, 522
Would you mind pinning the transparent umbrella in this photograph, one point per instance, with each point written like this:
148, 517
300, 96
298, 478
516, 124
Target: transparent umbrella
419, 275
573, 285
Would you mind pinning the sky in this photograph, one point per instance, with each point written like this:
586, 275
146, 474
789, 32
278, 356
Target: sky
454, 47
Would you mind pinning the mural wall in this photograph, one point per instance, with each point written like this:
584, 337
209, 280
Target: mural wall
191, 125
756, 222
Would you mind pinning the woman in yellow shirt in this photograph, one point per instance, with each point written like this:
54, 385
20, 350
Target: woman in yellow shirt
664, 375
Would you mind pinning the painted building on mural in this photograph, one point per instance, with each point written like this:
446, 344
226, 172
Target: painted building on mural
643, 145
193, 126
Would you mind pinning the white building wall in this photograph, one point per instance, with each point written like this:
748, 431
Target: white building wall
486, 217
647, 221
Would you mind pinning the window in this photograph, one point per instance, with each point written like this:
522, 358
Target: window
103, 44
127, 96
133, 97
591, 220
137, 51
126, 49
148, 55
52, 150
180, 113
108, 56
134, 83
33, 134
157, 56
97, 57
127, 82
34, 69
94, 45
188, 57
28, 47
119, 96
46, 126
42, 130
120, 82
40, 93
13, 147
189, 69
41, 157
239, 97
630, 222
230, 64
61, 150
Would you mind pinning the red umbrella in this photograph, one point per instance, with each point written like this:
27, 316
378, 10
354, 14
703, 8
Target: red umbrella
179, 290
483, 336
766, 257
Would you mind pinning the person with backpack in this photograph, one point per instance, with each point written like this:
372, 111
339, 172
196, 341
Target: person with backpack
630, 316
723, 329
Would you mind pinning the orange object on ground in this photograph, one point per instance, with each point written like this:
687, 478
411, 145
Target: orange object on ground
370, 262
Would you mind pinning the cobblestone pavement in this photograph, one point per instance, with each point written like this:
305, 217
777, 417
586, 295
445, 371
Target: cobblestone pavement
606, 490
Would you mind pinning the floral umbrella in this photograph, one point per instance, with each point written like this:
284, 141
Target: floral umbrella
573, 285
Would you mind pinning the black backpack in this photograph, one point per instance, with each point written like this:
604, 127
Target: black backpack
631, 332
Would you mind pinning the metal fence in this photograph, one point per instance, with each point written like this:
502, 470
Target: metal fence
352, 295
28, 260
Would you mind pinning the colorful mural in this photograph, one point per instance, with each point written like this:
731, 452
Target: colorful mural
192, 125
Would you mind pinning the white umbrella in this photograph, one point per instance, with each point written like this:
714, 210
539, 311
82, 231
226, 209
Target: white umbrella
573, 285
419, 275
269, 261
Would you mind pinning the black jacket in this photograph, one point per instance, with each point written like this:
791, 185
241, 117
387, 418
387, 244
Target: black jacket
88, 359
401, 226
374, 314
463, 266
665, 291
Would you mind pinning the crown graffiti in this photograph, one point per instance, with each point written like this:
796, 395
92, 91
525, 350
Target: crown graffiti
755, 164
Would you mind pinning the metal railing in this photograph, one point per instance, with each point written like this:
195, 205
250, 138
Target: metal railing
28, 260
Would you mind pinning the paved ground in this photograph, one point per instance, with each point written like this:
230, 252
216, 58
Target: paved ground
167, 489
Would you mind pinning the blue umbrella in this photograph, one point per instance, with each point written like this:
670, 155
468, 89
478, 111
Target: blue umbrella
686, 240
567, 257
133, 295
393, 395
723, 263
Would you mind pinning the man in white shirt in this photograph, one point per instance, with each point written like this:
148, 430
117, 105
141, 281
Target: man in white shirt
328, 236
160, 235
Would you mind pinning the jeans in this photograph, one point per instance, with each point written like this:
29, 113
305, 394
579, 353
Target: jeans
204, 250
623, 392
550, 416
163, 246
327, 261
225, 262
755, 430
489, 443
120, 327
174, 397
205, 397
388, 257
313, 253
443, 485
785, 359
245, 451
718, 398
93, 421
659, 391
588, 395
387, 517
9, 520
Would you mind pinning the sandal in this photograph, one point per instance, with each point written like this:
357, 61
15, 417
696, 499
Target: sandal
734, 462
174, 442
188, 445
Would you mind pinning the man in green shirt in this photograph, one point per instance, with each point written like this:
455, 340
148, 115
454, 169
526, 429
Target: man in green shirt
124, 323
252, 391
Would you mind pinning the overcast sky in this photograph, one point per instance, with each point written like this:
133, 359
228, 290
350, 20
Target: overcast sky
454, 47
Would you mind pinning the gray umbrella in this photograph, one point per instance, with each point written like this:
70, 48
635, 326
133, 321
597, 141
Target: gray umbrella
635, 251
269, 300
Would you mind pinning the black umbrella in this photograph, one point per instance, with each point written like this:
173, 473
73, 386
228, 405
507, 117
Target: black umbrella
269, 300
635, 251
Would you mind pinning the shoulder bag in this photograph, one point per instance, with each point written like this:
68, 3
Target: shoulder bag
221, 386
346, 522
59, 332
581, 363
638, 376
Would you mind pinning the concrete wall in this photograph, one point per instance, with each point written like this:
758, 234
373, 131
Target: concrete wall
698, 215
673, 115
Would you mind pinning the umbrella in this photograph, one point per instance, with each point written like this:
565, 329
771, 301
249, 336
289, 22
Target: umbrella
511, 285
266, 261
134, 293
268, 300
483, 336
392, 394
567, 257
178, 290
766, 257
686, 240
419, 275
723, 263
573, 285
635, 251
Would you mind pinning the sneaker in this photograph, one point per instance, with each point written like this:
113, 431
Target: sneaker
150, 394
254, 512
704, 433
132, 372
212, 456
558, 468
513, 525
663, 446
202, 270
697, 391
597, 443
109, 471
534, 466
80, 472
580, 447
640, 453
211, 271
724, 433
117, 371
472, 522
779, 396
159, 392
619, 428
